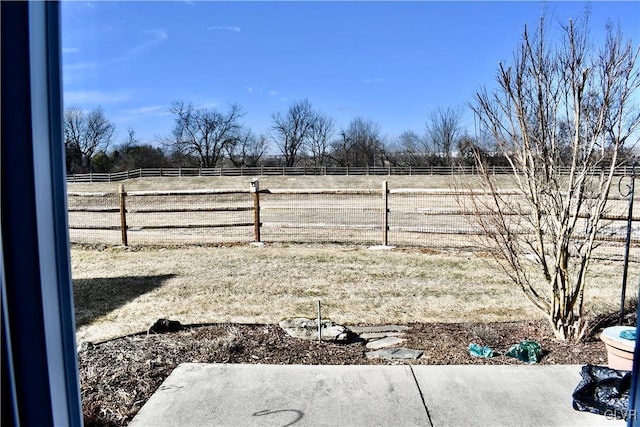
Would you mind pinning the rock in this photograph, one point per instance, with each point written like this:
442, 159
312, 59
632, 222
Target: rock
394, 354
384, 342
307, 329
384, 328
165, 325
85, 346
377, 335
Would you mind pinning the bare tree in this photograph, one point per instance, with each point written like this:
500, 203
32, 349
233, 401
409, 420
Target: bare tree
204, 133
442, 131
292, 130
341, 150
410, 150
360, 144
248, 149
85, 135
131, 139
561, 115
320, 135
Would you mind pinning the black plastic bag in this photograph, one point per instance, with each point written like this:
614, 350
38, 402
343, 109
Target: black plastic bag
603, 391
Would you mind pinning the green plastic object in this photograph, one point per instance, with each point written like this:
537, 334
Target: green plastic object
527, 352
628, 334
480, 351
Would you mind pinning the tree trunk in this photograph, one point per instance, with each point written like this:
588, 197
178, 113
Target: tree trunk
570, 326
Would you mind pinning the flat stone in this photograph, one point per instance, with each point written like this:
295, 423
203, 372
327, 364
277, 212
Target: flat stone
376, 335
384, 342
381, 248
394, 354
307, 329
85, 346
383, 328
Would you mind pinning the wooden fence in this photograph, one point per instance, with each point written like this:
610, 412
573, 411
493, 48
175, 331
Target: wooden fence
384, 216
298, 171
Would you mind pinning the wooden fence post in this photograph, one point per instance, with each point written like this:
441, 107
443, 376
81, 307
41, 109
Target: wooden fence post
123, 216
385, 215
255, 189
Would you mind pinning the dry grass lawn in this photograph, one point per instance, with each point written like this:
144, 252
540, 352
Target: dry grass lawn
120, 291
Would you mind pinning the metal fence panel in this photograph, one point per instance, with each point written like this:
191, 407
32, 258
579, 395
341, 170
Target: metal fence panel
415, 217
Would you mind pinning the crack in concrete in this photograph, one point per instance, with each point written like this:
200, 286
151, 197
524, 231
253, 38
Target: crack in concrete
424, 404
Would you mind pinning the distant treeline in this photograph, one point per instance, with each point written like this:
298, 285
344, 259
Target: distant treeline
301, 136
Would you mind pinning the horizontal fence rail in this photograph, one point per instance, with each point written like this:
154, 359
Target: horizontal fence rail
302, 171
432, 218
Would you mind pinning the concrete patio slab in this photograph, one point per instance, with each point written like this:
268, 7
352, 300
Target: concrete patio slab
276, 395
367, 395
504, 395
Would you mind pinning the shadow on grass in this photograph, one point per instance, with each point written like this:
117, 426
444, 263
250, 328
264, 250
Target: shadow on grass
94, 298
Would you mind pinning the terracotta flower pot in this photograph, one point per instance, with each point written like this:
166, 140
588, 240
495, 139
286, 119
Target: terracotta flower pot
619, 350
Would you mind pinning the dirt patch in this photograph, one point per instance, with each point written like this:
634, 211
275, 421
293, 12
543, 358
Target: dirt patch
117, 377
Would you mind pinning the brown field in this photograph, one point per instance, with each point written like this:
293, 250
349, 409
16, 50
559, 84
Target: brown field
360, 181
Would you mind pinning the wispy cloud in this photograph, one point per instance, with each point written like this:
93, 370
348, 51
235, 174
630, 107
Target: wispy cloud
94, 97
147, 111
76, 71
261, 91
150, 38
156, 36
374, 80
79, 66
70, 49
224, 28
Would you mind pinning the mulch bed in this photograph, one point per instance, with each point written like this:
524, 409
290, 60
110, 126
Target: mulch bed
117, 377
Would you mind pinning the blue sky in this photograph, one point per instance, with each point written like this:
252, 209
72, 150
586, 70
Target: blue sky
389, 62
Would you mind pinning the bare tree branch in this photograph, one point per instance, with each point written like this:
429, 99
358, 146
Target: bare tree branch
292, 130
204, 133
443, 130
86, 134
